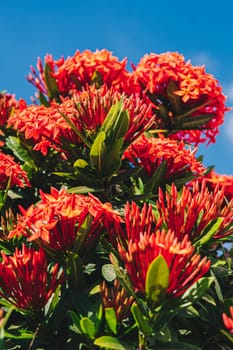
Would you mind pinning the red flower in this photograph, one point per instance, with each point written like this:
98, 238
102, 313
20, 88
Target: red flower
7, 104
189, 212
47, 127
55, 221
26, 281
184, 265
200, 94
11, 173
228, 320
150, 153
214, 180
82, 69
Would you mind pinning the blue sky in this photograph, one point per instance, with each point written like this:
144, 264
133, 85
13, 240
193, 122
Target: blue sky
200, 30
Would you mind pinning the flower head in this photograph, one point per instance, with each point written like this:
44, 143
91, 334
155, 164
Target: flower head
189, 212
57, 219
11, 174
186, 91
185, 267
26, 280
228, 320
150, 153
7, 103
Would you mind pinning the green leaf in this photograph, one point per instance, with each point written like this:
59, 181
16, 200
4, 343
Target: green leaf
51, 83
43, 100
209, 231
109, 272
192, 123
80, 163
157, 179
157, 279
109, 342
87, 327
111, 319
13, 143
74, 269
174, 99
196, 291
98, 152
177, 346
141, 321
97, 79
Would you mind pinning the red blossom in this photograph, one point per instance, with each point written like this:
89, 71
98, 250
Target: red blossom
199, 91
11, 174
184, 265
56, 220
7, 104
228, 320
189, 212
150, 153
26, 280
47, 127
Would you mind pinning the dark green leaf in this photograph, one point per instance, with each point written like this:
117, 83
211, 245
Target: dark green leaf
209, 231
141, 321
174, 99
178, 346
192, 123
51, 83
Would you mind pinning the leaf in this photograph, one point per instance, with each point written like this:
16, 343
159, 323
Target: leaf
190, 123
141, 321
177, 346
109, 272
13, 143
74, 269
111, 319
109, 342
196, 291
157, 279
87, 327
51, 83
156, 179
174, 99
209, 231
98, 152
43, 99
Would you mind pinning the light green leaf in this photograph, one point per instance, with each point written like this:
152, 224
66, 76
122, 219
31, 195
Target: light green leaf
209, 231
109, 272
98, 152
157, 279
87, 327
111, 319
112, 343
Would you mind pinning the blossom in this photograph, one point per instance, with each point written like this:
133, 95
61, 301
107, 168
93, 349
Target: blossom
56, 221
47, 127
191, 210
26, 280
185, 266
11, 174
228, 320
214, 179
80, 70
7, 104
182, 91
116, 297
150, 153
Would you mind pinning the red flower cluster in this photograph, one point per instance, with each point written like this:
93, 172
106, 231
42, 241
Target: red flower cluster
184, 265
214, 179
150, 153
82, 69
199, 91
27, 281
189, 212
47, 127
11, 173
56, 221
228, 320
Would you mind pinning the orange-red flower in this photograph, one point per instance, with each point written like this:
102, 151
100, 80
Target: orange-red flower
7, 103
56, 220
189, 212
80, 70
228, 320
150, 153
199, 92
11, 174
27, 281
46, 126
184, 265
214, 179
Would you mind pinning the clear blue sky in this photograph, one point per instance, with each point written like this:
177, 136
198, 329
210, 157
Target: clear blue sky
201, 30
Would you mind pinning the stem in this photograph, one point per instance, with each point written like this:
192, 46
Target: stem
142, 341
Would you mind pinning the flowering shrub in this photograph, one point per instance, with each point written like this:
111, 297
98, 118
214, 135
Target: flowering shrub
113, 233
